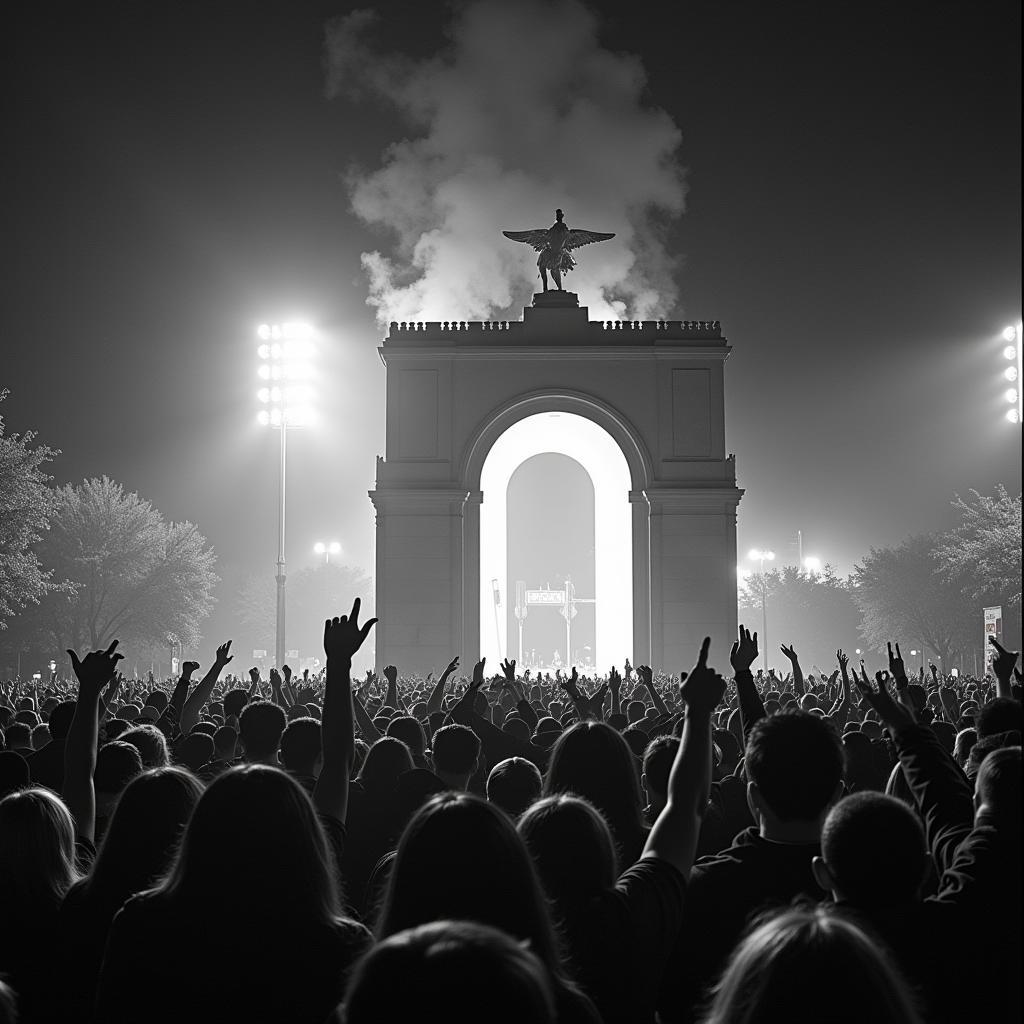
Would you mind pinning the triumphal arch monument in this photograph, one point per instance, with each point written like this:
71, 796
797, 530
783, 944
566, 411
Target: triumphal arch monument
639, 404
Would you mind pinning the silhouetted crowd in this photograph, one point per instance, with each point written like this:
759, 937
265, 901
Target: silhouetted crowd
724, 847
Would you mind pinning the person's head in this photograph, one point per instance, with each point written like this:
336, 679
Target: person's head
302, 748
572, 847
794, 762
997, 789
14, 772
731, 748
475, 966
129, 712
225, 743
254, 848
27, 717
872, 729
799, 961
157, 699
117, 764
260, 728
18, 736
945, 734
114, 727
60, 719
234, 701
873, 852
194, 751
514, 784
144, 831
151, 744
965, 740
40, 736
808, 702
37, 853
1000, 715
410, 732
455, 755
384, 762
635, 711
593, 761
636, 739
205, 727
448, 860
659, 757
517, 728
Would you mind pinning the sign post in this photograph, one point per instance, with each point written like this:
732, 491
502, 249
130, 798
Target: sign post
993, 627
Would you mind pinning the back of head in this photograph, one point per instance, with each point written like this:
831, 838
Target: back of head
260, 728
659, 757
455, 750
805, 965
635, 711
18, 736
796, 761
730, 746
14, 772
225, 742
410, 732
151, 744
474, 966
513, 785
117, 764
254, 846
301, 746
234, 701
572, 847
157, 699
998, 785
1000, 715
194, 751
874, 848
945, 733
517, 728
37, 854
446, 865
40, 736
144, 831
385, 761
965, 740
636, 739
60, 719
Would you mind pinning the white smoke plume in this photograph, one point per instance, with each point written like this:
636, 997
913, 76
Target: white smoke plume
524, 111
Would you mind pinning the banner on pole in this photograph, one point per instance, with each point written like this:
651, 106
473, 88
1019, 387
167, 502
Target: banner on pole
994, 628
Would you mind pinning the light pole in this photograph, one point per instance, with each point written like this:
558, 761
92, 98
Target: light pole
1014, 373
331, 548
283, 351
763, 556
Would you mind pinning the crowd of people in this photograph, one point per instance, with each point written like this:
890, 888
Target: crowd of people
728, 846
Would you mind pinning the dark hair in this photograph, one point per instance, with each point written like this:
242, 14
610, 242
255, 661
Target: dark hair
573, 849
636, 739
945, 733
60, 719
301, 745
410, 732
195, 750
1000, 715
659, 757
875, 848
455, 750
446, 865
473, 965
14, 772
151, 743
384, 762
204, 727
861, 769
797, 961
593, 761
516, 727
143, 835
117, 763
225, 741
513, 785
114, 727
234, 701
998, 783
254, 848
260, 729
157, 699
796, 761
965, 740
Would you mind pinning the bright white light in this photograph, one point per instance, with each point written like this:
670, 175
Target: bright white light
1013, 416
598, 453
334, 547
296, 331
275, 394
1009, 334
263, 417
1009, 352
812, 564
319, 547
858, 651
264, 371
275, 417
741, 572
1010, 373
264, 332
275, 372
263, 351
263, 394
913, 653
276, 351
298, 416
1011, 396
275, 331
758, 555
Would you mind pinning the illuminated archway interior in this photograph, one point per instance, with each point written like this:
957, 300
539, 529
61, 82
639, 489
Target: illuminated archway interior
593, 448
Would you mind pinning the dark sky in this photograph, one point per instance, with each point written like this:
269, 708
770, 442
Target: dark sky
175, 175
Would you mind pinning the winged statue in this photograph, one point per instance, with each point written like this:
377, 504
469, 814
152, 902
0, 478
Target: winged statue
555, 244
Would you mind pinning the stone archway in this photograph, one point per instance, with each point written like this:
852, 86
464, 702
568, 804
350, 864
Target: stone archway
454, 388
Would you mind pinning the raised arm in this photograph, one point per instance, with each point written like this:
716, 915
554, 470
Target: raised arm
1003, 665
370, 732
94, 673
646, 674
168, 721
201, 694
674, 835
742, 656
342, 638
798, 672
436, 697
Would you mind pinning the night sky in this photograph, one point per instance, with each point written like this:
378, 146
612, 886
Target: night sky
175, 174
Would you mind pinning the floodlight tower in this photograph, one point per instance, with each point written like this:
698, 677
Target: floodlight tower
284, 353
1014, 373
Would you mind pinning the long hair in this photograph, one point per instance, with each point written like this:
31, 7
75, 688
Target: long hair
37, 854
593, 761
805, 964
254, 848
461, 858
143, 834
384, 762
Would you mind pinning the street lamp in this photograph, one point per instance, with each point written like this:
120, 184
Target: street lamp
1014, 373
757, 555
333, 548
285, 371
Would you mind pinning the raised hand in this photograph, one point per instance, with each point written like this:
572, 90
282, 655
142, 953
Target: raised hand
703, 687
896, 666
628, 670
96, 670
189, 667
275, 679
508, 667
254, 674
478, 676
1004, 662
744, 651
452, 666
344, 636
892, 714
789, 652
843, 661
615, 680
391, 674
287, 670
224, 655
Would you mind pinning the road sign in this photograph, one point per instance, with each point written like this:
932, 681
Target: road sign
548, 597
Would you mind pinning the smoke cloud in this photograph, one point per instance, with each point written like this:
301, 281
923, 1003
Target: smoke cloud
524, 111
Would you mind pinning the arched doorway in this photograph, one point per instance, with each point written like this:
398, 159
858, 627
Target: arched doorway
592, 447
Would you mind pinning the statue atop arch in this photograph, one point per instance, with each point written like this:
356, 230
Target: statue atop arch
555, 244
